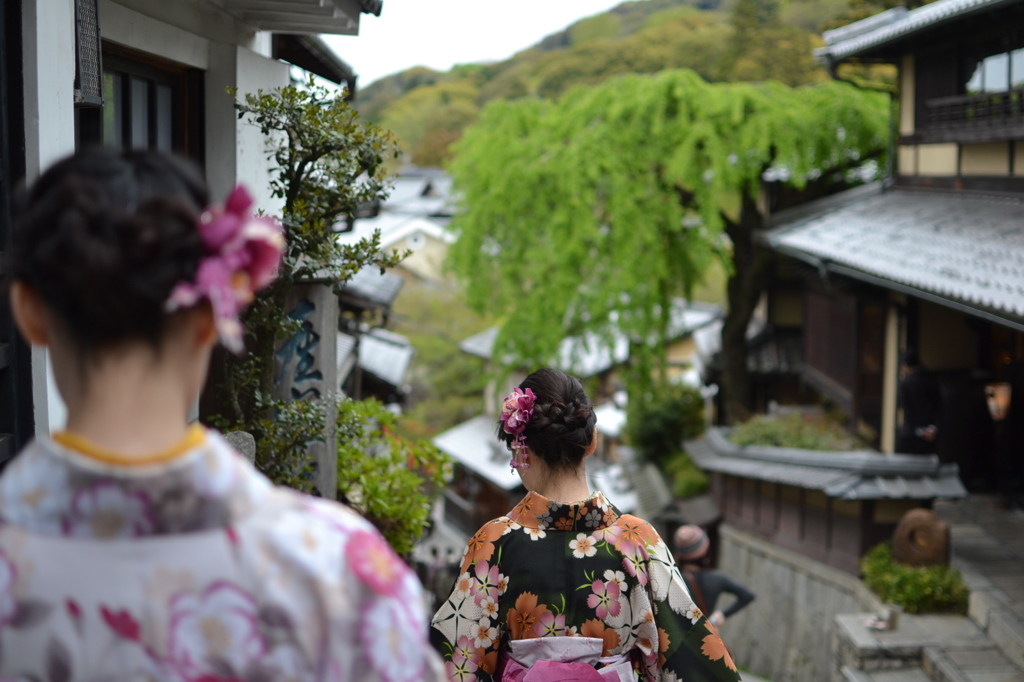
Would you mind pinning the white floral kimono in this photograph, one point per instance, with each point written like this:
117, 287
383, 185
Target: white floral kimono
193, 567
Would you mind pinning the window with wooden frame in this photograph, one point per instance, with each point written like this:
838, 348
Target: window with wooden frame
973, 90
148, 103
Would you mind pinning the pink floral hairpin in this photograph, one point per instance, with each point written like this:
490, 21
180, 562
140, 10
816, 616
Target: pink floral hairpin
243, 253
516, 411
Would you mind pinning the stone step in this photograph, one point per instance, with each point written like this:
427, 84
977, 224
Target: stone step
946, 664
898, 675
1007, 630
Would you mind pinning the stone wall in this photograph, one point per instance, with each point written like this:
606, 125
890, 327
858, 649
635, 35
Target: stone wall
786, 634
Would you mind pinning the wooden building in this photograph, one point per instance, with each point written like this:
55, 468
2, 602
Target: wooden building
932, 258
832, 507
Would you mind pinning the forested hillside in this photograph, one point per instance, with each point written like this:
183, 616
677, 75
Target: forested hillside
722, 40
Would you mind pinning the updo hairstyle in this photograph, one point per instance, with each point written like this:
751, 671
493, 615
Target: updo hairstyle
562, 426
104, 235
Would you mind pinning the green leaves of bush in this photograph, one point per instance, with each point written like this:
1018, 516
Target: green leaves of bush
918, 589
386, 478
791, 431
657, 427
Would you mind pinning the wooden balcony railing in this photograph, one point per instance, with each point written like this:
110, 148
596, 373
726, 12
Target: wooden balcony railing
974, 118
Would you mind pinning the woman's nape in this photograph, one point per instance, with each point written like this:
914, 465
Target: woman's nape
564, 486
131, 398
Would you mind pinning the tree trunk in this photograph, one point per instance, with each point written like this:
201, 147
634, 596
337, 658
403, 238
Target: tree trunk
751, 263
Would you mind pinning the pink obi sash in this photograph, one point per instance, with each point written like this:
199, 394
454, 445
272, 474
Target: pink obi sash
562, 659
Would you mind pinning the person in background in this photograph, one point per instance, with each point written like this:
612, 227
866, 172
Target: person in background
137, 546
565, 586
918, 400
706, 585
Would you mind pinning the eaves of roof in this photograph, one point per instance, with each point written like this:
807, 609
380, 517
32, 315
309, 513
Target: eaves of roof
896, 25
311, 53
958, 250
849, 476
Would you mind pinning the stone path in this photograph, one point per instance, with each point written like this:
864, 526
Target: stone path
988, 548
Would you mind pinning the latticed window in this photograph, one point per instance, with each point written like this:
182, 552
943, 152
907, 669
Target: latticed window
147, 103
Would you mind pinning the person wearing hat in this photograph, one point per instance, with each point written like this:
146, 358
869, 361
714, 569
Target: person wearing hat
706, 585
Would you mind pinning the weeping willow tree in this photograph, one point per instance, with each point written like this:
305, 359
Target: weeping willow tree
594, 212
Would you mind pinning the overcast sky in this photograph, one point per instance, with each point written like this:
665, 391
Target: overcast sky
441, 33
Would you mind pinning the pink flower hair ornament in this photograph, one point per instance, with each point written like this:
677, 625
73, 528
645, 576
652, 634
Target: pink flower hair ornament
516, 410
243, 253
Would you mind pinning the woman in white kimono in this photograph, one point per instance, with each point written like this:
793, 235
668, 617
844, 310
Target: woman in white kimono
134, 546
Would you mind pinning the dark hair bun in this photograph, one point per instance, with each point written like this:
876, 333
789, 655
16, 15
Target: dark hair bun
562, 426
103, 237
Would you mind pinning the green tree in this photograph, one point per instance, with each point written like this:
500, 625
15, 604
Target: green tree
325, 164
593, 212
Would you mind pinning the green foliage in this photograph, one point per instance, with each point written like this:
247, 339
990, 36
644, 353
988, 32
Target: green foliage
447, 384
659, 421
325, 163
862, 9
635, 37
792, 431
381, 475
924, 589
378, 96
687, 479
607, 204
598, 27
445, 107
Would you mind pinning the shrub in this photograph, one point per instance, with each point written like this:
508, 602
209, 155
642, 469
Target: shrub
686, 480
792, 431
917, 589
386, 478
658, 426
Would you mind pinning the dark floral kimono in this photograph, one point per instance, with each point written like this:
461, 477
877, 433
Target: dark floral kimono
549, 569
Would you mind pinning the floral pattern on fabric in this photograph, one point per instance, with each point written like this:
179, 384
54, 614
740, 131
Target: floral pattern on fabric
623, 588
196, 570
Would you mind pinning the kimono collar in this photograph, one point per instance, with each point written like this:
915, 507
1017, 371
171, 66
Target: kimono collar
538, 512
52, 489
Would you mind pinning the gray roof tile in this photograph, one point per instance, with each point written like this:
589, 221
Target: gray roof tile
896, 24
371, 285
968, 248
850, 477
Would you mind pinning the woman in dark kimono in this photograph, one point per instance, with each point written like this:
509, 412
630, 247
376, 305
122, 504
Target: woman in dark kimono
565, 586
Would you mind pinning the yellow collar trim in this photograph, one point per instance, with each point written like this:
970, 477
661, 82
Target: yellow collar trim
83, 446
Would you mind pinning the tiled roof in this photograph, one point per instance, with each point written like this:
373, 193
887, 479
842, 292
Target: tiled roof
382, 353
964, 248
385, 355
896, 24
849, 476
372, 286
394, 228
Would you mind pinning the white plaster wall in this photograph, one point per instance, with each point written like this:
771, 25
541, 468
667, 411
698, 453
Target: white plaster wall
133, 29
256, 72
236, 150
49, 72
907, 68
937, 160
